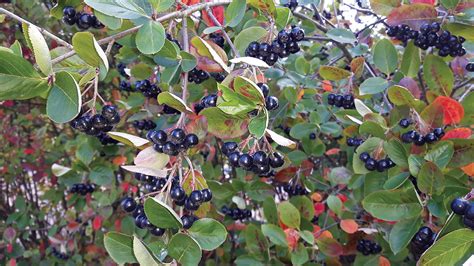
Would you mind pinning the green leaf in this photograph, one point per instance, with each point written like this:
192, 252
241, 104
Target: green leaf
248, 89
270, 210
411, 60
234, 13
248, 35
223, 125
275, 234
267, 6
384, 7
414, 163
209, 233
289, 214
141, 71
174, 101
396, 152
396, 181
335, 204
438, 75
440, 154
304, 206
302, 66
64, 100
161, 215
89, 50
119, 247
300, 255
368, 146
150, 37
283, 16
184, 249
128, 139
392, 205
121, 9
450, 4
463, 152
16, 48
402, 233
452, 249
256, 243
333, 73
110, 22
161, 5
258, 125
212, 52
143, 254
188, 61
399, 95
40, 49
307, 236
168, 55
373, 86
385, 56
300, 131
430, 179
341, 35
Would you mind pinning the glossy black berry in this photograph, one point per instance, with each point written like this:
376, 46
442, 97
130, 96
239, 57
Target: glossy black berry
364, 156
331, 99
260, 158
128, 204
234, 159
141, 221
245, 160
188, 221
271, 102
206, 195
277, 47
178, 193
177, 135
312, 135
156, 231
469, 213
468, 222
84, 21
138, 210
170, 148
419, 140
470, 67
370, 164
191, 140
264, 88
430, 138
283, 36
405, 122
264, 49
277, 160
459, 206
382, 165
229, 147
69, 11
196, 196
297, 34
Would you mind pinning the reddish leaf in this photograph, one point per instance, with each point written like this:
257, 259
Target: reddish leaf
118, 225
413, 15
9, 248
468, 169
342, 197
330, 247
217, 11
286, 174
333, 151
429, 2
384, 261
12, 262
453, 110
97, 222
458, 133
73, 226
411, 85
292, 237
349, 226
319, 208
119, 160
316, 197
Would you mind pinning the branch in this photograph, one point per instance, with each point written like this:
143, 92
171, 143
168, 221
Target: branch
226, 36
184, 96
177, 14
45, 32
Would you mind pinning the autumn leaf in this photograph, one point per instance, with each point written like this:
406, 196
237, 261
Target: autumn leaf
349, 226
453, 110
292, 238
458, 133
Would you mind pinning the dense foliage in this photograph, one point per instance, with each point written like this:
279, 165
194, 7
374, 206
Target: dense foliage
236, 132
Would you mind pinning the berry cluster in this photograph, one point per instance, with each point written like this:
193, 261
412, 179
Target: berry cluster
292, 4
197, 76
295, 189
170, 110
144, 124
428, 37
219, 77
422, 240
147, 89
217, 39
141, 221
168, 36
206, 102
339, 100
82, 189
470, 67
125, 86
271, 102
420, 140
173, 143
58, 254
236, 213
83, 20
372, 164
461, 206
191, 202
354, 142
106, 139
94, 125
259, 162
367, 247
285, 44
151, 183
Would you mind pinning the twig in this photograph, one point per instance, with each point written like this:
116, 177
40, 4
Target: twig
368, 26
109, 47
184, 96
224, 33
172, 15
45, 32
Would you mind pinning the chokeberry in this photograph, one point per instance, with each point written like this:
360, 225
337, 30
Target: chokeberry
229, 147
196, 196
191, 140
405, 122
419, 140
188, 220
234, 159
470, 67
206, 195
382, 165
128, 204
170, 148
364, 156
69, 11
271, 102
156, 231
430, 137
283, 36
459, 206
264, 88
260, 158
84, 21
469, 213
177, 135
371, 164
297, 34
439, 132
178, 193
245, 160
277, 160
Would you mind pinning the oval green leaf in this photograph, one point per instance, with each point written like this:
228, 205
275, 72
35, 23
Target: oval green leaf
64, 100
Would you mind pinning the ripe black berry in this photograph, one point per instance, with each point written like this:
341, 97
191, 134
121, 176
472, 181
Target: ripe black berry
245, 160
260, 158
364, 156
469, 213
277, 160
405, 122
470, 67
312, 135
264, 88
271, 103
178, 193
297, 34
191, 140
283, 36
371, 164
430, 137
188, 220
419, 140
229, 147
128, 204
382, 165
196, 196
468, 222
138, 210
84, 21
234, 159
170, 148
190, 205
177, 135
206, 195
69, 11
459, 206
156, 231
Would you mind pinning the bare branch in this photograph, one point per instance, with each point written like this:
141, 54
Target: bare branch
226, 36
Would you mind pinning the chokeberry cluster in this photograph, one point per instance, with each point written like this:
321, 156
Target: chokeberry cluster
129, 205
271, 102
219, 77
147, 89
170, 110
94, 125
292, 4
177, 141
295, 189
125, 86
339, 100
258, 162
144, 124
206, 102
58, 254
83, 20
430, 35
354, 142
217, 39
191, 202
420, 140
236, 213
285, 44
106, 139
197, 76
462, 207
422, 240
151, 183
367, 247
372, 164
82, 189
470, 67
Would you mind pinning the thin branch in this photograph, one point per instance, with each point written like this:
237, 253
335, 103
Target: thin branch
172, 15
43, 31
184, 32
224, 33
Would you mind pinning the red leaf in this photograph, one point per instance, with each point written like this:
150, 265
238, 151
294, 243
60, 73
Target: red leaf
28, 151
9, 248
97, 223
319, 208
384, 261
468, 169
333, 151
292, 238
413, 15
286, 174
12, 262
217, 11
349, 226
330, 247
458, 133
342, 197
429, 2
453, 110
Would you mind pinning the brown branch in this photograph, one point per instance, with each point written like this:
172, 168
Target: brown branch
226, 36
